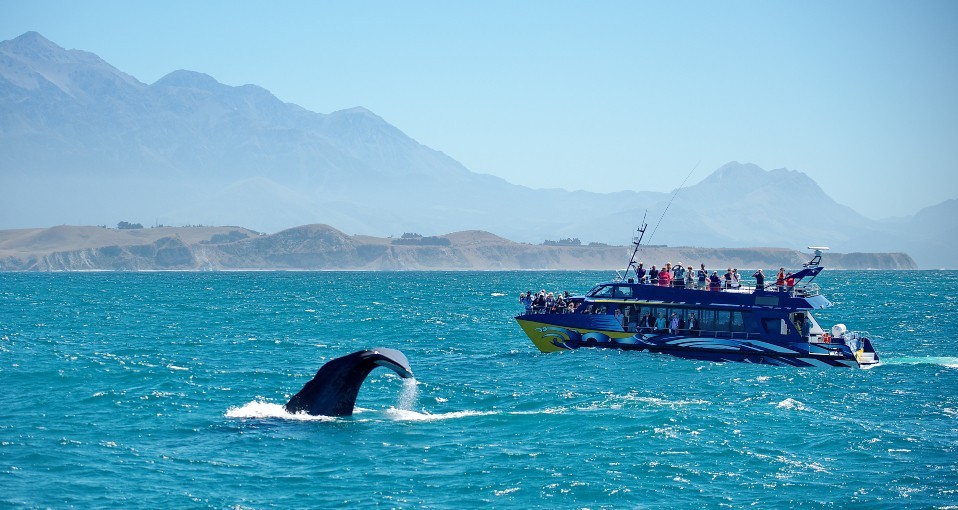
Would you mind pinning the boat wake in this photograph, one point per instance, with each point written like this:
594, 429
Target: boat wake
945, 361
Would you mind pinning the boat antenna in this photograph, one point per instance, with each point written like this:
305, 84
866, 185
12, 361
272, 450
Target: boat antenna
674, 193
636, 241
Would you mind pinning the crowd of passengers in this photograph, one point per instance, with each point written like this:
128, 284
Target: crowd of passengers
670, 275
547, 302
679, 276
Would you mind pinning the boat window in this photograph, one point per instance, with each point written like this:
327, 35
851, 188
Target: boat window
722, 320
631, 317
603, 291
775, 326
707, 320
738, 323
622, 292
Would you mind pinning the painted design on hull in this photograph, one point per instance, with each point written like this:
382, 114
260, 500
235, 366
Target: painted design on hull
553, 338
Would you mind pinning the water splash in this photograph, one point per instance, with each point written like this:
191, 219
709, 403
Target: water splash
409, 397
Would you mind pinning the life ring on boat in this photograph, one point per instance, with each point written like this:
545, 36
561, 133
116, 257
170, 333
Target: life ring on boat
827, 338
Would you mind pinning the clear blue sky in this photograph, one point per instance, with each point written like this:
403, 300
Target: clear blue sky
601, 96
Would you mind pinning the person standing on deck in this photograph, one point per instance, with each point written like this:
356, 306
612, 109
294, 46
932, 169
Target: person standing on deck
526, 301
759, 280
665, 278
678, 276
715, 283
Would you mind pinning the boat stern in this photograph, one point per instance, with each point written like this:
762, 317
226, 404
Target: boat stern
867, 356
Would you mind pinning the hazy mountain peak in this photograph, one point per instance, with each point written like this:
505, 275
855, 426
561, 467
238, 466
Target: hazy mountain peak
31, 59
34, 46
34, 49
189, 79
748, 176
357, 110
736, 172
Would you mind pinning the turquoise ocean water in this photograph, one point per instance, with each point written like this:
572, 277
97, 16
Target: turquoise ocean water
151, 390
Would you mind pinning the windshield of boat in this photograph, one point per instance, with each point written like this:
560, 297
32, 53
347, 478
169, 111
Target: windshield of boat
609, 290
593, 290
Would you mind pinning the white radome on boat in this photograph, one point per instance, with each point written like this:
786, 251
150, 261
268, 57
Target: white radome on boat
839, 330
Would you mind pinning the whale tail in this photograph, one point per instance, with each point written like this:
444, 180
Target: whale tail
333, 390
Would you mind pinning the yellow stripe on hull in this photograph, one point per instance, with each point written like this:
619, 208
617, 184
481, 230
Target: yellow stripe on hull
545, 336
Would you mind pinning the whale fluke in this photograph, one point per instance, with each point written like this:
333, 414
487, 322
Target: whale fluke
333, 391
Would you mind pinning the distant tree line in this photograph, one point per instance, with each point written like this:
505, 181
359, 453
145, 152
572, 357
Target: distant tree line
571, 241
418, 240
125, 225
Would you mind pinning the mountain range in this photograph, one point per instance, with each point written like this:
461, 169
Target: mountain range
83, 143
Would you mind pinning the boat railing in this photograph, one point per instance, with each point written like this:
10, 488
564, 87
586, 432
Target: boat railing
547, 310
800, 290
854, 339
806, 290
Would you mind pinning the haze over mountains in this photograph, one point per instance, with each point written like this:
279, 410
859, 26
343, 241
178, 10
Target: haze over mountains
83, 143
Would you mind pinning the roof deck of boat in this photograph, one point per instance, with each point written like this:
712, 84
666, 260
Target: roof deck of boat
804, 296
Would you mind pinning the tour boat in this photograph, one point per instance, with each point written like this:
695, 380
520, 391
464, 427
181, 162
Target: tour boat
769, 324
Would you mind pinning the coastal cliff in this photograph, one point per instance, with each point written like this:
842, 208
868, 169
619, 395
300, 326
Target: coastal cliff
321, 247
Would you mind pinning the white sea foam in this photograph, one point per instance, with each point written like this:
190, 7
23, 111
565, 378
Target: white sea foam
791, 403
408, 400
406, 415
262, 410
656, 401
497, 294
